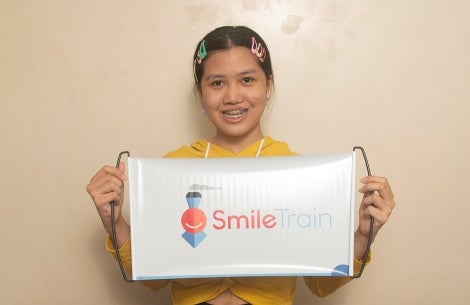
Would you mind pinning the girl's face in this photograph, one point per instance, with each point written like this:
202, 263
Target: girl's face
233, 92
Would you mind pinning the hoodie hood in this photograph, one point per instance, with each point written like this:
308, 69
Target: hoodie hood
198, 149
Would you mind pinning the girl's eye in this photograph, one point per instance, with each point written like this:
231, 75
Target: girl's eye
217, 83
247, 80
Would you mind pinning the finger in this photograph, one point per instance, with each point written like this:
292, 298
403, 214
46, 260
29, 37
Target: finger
103, 185
104, 200
106, 184
119, 171
380, 216
122, 168
110, 170
377, 207
102, 171
377, 184
375, 200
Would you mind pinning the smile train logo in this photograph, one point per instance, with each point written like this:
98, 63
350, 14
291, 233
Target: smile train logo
194, 220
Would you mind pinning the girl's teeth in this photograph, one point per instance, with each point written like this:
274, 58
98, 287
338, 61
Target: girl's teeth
234, 114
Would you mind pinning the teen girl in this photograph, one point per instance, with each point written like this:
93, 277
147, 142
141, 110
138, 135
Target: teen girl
234, 80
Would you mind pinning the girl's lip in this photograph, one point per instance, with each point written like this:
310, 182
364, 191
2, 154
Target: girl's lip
235, 115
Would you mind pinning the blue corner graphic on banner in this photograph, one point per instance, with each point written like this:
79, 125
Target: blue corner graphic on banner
340, 270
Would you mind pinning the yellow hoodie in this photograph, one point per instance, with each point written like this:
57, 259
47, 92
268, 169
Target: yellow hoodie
267, 147
254, 290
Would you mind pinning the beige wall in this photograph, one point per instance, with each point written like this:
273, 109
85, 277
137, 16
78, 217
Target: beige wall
81, 81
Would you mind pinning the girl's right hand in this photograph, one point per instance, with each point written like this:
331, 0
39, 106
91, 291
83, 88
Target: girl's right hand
105, 187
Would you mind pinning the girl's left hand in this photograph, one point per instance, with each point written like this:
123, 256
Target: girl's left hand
377, 202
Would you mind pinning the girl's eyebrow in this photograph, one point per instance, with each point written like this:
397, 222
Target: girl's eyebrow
249, 71
246, 72
211, 76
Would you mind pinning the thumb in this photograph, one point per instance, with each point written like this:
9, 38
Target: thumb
122, 168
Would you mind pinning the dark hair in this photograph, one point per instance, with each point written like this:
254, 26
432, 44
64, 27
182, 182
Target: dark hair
227, 37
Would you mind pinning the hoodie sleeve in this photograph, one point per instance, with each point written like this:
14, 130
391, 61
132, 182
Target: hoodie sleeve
125, 253
324, 286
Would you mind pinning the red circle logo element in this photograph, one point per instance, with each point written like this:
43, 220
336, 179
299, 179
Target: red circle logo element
193, 220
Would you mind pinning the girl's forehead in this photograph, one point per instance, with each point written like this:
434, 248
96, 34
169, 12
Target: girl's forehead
233, 59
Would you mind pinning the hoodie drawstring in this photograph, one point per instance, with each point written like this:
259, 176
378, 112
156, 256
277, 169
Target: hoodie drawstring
208, 148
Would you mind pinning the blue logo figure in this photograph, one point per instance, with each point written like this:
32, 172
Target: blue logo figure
194, 220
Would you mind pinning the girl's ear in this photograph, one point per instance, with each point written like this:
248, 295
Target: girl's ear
198, 96
270, 86
198, 90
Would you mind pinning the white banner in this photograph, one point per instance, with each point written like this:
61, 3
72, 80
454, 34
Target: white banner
221, 217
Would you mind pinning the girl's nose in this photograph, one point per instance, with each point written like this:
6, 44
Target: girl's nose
233, 95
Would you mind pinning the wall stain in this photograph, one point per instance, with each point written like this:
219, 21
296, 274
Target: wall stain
291, 24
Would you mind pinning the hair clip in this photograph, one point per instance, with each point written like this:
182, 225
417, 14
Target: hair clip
258, 49
202, 53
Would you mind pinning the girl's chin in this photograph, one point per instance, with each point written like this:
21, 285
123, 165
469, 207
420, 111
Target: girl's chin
238, 133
